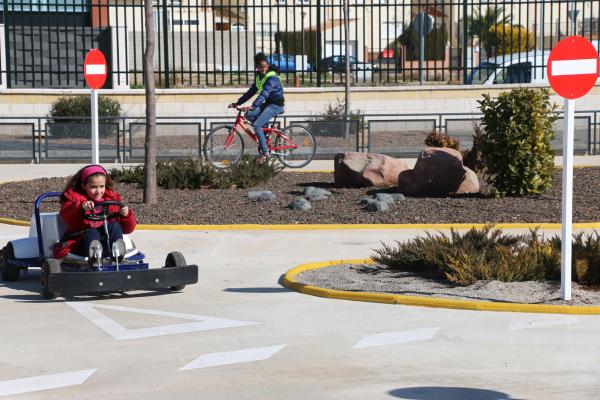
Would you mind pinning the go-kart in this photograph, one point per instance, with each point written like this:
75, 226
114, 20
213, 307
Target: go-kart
98, 273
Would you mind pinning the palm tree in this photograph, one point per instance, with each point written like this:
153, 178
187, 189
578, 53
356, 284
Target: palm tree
480, 24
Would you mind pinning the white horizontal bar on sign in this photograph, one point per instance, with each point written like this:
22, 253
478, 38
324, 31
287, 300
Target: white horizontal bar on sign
575, 67
95, 69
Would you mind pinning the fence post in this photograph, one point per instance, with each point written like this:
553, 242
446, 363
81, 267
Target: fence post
5, 63
465, 41
318, 49
165, 24
3, 55
119, 57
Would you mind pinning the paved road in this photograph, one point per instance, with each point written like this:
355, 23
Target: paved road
238, 334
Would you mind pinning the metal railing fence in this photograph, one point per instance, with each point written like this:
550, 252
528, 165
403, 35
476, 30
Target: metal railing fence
41, 139
202, 43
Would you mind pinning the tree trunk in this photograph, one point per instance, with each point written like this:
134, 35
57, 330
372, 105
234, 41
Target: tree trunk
348, 75
150, 189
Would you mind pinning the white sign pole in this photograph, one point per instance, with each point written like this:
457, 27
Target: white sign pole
567, 200
95, 150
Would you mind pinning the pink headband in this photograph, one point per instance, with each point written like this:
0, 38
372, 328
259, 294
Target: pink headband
86, 172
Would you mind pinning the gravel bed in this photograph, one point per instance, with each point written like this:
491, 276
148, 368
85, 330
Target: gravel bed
231, 206
377, 278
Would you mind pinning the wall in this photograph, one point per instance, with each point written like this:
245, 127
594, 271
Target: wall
213, 102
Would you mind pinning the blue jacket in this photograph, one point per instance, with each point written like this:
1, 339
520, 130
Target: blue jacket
272, 93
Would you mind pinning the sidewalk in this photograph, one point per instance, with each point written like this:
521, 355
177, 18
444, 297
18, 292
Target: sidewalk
20, 172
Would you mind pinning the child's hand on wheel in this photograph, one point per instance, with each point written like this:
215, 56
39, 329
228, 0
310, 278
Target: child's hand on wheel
88, 205
124, 211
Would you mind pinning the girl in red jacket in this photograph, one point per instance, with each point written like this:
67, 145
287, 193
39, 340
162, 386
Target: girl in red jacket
89, 185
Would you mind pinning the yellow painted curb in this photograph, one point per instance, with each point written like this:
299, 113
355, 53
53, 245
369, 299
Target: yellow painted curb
10, 221
326, 227
289, 280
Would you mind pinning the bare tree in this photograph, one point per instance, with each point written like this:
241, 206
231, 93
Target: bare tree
347, 65
150, 189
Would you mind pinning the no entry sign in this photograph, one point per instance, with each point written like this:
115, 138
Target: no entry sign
573, 67
95, 69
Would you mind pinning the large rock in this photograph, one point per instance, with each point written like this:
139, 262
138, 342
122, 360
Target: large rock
438, 172
352, 169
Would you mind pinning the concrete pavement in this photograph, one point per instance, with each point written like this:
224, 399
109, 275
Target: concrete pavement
287, 345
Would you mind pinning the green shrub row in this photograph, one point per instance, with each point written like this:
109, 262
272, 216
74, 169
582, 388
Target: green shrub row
489, 254
195, 174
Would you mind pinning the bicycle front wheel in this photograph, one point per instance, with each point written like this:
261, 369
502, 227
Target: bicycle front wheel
296, 147
223, 147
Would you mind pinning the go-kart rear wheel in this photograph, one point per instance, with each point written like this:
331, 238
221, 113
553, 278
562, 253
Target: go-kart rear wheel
51, 265
8, 272
175, 259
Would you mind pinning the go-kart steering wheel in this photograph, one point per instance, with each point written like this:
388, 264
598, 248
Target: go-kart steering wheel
103, 214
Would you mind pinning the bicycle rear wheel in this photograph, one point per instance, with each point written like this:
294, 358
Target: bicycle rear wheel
222, 147
296, 147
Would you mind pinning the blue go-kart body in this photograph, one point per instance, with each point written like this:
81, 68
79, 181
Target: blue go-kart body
74, 275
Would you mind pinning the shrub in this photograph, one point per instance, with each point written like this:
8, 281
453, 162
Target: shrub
488, 254
332, 121
74, 110
439, 139
194, 174
517, 144
511, 38
473, 158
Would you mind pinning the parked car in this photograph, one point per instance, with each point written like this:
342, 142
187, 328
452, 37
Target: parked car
283, 62
338, 64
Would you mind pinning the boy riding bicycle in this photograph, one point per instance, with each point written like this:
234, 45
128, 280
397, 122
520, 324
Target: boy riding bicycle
269, 103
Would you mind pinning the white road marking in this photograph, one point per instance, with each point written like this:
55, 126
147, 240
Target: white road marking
541, 321
95, 69
233, 357
44, 382
575, 67
119, 332
382, 339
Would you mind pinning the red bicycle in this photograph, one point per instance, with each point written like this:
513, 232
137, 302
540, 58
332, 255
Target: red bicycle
294, 146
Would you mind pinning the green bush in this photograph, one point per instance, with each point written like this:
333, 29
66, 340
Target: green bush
489, 254
194, 174
439, 139
517, 144
74, 110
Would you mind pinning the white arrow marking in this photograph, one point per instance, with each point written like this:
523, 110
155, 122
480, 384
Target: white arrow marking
44, 382
381, 339
95, 69
233, 357
541, 322
575, 67
119, 332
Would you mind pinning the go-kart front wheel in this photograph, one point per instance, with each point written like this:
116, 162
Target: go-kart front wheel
175, 259
49, 266
9, 273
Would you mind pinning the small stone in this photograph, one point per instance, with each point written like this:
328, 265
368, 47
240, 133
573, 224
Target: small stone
398, 197
378, 206
385, 197
367, 200
314, 193
261, 195
300, 203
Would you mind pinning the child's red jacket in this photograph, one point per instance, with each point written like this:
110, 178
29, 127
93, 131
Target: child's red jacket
71, 215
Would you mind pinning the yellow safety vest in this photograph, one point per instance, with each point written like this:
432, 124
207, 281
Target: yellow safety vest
260, 83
